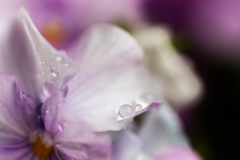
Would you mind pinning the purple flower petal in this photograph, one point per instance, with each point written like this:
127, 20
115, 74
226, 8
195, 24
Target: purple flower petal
72, 137
18, 116
111, 76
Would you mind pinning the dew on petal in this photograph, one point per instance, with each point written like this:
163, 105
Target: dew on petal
138, 107
43, 62
54, 73
58, 58
66, 65
25, 95
125, 111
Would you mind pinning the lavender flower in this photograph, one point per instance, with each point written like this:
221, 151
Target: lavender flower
101, 89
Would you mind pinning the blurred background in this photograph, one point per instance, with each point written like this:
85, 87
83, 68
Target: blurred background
192, 48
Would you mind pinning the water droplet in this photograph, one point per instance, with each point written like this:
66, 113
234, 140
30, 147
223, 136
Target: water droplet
43, 62
125, 111
47, 111
25, 95
66, 65
58, 58
149, 97
54, 73
138, 107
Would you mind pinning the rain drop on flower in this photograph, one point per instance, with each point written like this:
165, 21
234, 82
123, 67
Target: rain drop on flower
138, 107
125, 111
58, 58
54, 73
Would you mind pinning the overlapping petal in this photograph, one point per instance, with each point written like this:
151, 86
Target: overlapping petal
111, 75
18, 117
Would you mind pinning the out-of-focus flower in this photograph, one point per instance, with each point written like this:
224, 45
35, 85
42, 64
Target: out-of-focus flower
104, 87
62, 21
212, 25
160, 138
215, 27
179, 83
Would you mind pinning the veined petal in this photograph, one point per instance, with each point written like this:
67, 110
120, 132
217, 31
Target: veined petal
77, 151
111, 76
22, 153
71, 136
18, 116
54, 67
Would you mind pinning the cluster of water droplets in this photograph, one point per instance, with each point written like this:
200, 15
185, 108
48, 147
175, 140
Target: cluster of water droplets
127, 111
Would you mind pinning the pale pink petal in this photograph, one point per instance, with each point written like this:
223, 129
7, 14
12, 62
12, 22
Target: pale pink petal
111, 76
127, 146
18, 116
178, 153
54, 67
161, 129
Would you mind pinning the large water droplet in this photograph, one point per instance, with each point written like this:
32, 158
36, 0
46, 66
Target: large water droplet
125, 111
54, 73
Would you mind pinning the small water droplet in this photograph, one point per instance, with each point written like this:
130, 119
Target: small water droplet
125, 111
58, 58
54, 73
25, 95
47, 111
66, 65
138, 107
43, 62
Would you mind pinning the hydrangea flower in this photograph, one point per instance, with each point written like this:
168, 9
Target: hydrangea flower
159, 138
100, 89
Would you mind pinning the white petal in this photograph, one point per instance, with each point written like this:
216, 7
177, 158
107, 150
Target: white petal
54, 66
161, 130
111, 76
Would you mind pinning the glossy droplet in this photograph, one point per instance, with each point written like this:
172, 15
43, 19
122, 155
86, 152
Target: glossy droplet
43, 62
25, 95
58, 58
54, 73
138, 107
66, 65
125, 111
